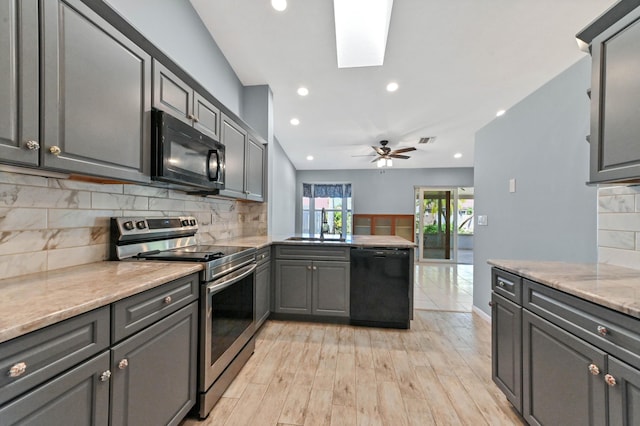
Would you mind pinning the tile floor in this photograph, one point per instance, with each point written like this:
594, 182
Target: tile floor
443, 287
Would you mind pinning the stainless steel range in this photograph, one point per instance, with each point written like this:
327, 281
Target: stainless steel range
227, 318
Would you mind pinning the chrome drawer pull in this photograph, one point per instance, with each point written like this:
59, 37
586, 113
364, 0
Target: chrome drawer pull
593, 369
167, 300
602, 330
124, 363
501, 283
17, 370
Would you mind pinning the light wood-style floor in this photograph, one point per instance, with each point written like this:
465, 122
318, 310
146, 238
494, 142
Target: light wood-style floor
439, 372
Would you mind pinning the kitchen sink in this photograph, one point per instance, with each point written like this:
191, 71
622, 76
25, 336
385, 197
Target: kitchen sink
317, 239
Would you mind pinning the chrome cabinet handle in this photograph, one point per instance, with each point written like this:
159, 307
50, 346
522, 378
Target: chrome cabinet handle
191, 117
602, 330
106, 375
611, 381
32, 145
55, 150
17, 369
124, 363
491, 304
315, 268
167, 300
593, 369
194, 118
309, 267
501, 283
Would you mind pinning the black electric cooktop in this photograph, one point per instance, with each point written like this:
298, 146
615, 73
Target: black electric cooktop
197, 253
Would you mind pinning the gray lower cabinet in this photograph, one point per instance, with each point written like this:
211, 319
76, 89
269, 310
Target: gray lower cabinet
624, 393
172, 95
19, 138
78, 397
262, 297
312, 287
96, 95
245, 162
154, 372
506, 348
558, 386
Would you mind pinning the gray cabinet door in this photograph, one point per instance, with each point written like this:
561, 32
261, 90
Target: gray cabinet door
293, 286
331, 288
262, 293
157, 384
255, 166
77, 397
624, 394
96, 95
171, 94
615, 102
506, 348
206, 117
234, 139
19, 82
558, 387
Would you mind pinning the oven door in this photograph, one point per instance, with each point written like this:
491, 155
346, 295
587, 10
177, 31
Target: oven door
226, 321
183, 155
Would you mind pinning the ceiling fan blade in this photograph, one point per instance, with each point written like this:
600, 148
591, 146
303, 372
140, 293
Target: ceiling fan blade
401, 150
378, 150
365, 155
404, 157
376, 159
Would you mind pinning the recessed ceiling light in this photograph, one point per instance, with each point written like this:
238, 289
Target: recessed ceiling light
457, 155
279, 5
294, 121
500, 113
310, 157
392, 87
303, 91
361, 31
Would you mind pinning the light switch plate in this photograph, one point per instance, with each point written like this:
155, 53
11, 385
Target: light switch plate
482, 220
512, 185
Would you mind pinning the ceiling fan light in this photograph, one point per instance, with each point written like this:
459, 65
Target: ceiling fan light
381, 162
279, 5
389, 162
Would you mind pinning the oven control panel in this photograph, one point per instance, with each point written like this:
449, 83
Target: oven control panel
133, 226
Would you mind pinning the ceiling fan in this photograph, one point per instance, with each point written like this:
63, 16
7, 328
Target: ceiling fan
386, 153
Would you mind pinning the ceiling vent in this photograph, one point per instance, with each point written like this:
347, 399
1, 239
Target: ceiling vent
428, 139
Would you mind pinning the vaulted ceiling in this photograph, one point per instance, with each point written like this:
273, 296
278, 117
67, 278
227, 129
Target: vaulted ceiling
456, 62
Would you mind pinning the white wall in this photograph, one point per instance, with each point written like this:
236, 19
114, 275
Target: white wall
541, 143
282, 192
176, 29
389, 191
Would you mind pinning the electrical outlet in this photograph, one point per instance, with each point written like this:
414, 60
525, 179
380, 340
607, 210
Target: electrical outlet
482, 220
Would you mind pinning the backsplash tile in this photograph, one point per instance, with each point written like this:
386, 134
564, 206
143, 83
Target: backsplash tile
619, 226
48, 223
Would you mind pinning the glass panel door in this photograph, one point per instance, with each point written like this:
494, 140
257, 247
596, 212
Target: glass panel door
436, 210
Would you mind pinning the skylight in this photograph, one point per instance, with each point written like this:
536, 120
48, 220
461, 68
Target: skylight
361, 31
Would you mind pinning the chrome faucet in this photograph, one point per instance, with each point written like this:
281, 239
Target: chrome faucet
324, 226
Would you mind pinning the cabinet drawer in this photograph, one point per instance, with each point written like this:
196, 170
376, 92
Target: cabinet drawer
312, 252
263, 255
47, 352
507, 285
613, 332
137, 312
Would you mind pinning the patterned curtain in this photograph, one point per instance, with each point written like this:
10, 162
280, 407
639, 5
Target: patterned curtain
326, 190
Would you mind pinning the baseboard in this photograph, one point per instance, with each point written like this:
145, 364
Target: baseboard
482, 314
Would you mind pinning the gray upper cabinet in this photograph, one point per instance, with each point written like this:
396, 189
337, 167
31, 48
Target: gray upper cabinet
19, 138
615, 102
172, 95
96, 95
245, 162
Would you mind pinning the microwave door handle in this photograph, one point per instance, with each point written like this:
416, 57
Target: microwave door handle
210, 155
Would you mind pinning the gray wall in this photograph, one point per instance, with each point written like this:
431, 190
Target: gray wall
176, 29
282, 192
389, 191
541, 143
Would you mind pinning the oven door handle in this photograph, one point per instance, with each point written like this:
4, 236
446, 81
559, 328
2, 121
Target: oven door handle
230, 279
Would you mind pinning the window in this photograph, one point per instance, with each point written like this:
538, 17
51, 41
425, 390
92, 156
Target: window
335, 199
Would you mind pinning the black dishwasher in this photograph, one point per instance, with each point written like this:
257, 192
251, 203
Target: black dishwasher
380, 287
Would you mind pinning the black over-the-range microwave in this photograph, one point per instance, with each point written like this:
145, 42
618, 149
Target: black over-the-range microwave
185, 156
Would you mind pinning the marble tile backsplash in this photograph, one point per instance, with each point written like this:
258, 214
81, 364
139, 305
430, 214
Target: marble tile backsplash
619, 226
48, 223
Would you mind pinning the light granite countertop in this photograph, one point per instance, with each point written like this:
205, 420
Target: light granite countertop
34, 301
353, 241
611, 286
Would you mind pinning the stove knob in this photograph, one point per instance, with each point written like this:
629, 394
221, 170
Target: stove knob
128, 225
192, 222
141, 224
184, 222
